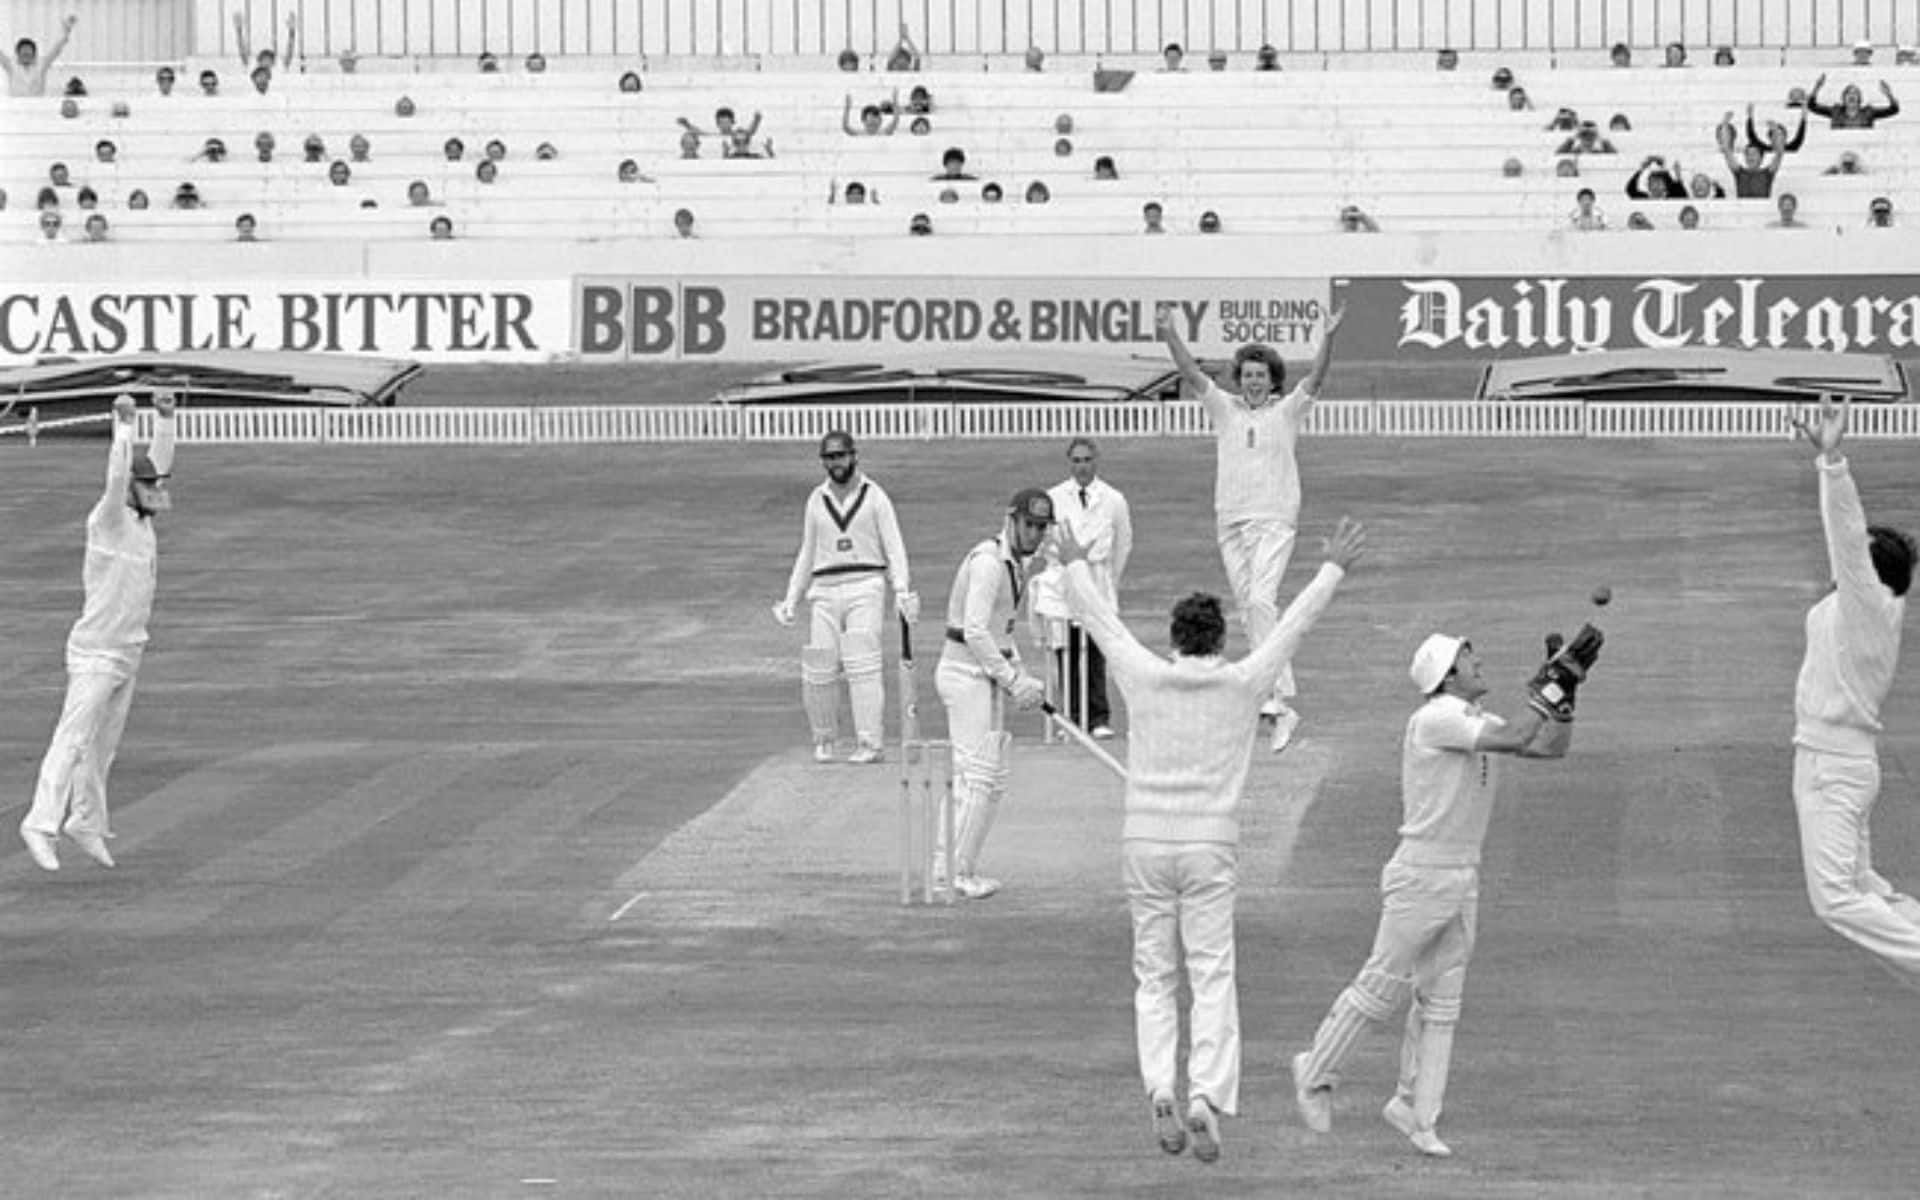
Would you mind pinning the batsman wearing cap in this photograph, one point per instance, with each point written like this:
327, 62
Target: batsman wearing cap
850, 548
979, 666
105, 645
1430, 889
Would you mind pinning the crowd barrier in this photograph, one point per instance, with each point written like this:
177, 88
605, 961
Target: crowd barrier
685, 423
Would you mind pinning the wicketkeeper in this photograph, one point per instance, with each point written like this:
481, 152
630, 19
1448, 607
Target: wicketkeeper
1430, 889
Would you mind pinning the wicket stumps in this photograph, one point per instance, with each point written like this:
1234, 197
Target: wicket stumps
926, 821
1070, 685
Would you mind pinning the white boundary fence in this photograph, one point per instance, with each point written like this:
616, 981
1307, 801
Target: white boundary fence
693, 423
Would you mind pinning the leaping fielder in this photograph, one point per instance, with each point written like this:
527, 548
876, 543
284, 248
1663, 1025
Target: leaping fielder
1430, 889
105, 645
979, 664
1256, 495
1853, 644
850, 549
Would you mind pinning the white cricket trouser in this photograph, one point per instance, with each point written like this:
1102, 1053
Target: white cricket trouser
73, 775
1256, 552
1181, 894
1834, 795
846, 618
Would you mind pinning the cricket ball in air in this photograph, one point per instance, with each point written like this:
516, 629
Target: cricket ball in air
1602, 596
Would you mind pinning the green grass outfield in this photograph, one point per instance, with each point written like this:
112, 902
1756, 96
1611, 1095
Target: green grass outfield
416, 725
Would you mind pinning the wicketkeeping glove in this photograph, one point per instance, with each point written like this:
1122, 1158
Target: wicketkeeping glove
1552, 689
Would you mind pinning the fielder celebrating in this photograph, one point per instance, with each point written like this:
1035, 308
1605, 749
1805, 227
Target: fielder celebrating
1256, 494
978, 664
1430, 889
1194, 718
850, 549
1853, 644
105, 645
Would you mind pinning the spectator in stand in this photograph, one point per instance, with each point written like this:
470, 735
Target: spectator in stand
1447, 60
27, 69
104, 151
1656, 180
86, 199
1585, 216
849, 60
1788, 206
243, 40
683, 222
856, 193
209, 82
1586, 140
1502, 79
419, 195
186, 197
1774, 134
58, 175
1216, 60
403, 107
873, 119
261, 78
339, 174
358, 148
1689, 217
1354, 219
740, 145
953, 165
1704, 187
724, 125
1676, 55
47, 198
1852, 112
1565, 120
1517, 100
990, 193
486, 171
96, 227
1906, 56
50, 222
1723, 56
689, 143
349, 61
949, 196
1036, 59
1037, 193
1639, 220
1863, 54
1619, 124
454, 149
1751, 181
1880, 213
244, 228
905, 55
215, 151
164, 79
1849, 164
1152, 215
1266, 58
1172, 57
1103, 169
1063, 147
137, 200
919, 101
630, 83
489, 63
3, 199
921, 127
496, 151
536, 63
440, 229
314, 149
1512, 168
920, 225
1620, 55
546, 152
263, 145
1209, 222
69, 108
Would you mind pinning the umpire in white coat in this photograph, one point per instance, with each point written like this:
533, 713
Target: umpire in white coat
1097, 515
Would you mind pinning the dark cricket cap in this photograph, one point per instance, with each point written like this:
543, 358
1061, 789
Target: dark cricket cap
1033, 504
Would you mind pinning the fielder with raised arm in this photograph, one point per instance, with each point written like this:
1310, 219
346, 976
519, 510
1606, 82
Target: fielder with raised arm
979, 664
850, 549
1192, 723
1256, 494
1430, 889
106, 643
1853, 645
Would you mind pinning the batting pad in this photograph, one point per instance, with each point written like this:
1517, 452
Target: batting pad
866, 684
820, 691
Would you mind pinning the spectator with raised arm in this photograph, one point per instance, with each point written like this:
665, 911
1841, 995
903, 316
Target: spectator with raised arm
27, 69
243, 38
1852, 112
905, 55
1751, 181
873, 118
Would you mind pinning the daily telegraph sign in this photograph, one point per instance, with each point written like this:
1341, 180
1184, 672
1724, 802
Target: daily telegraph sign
1480, 317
